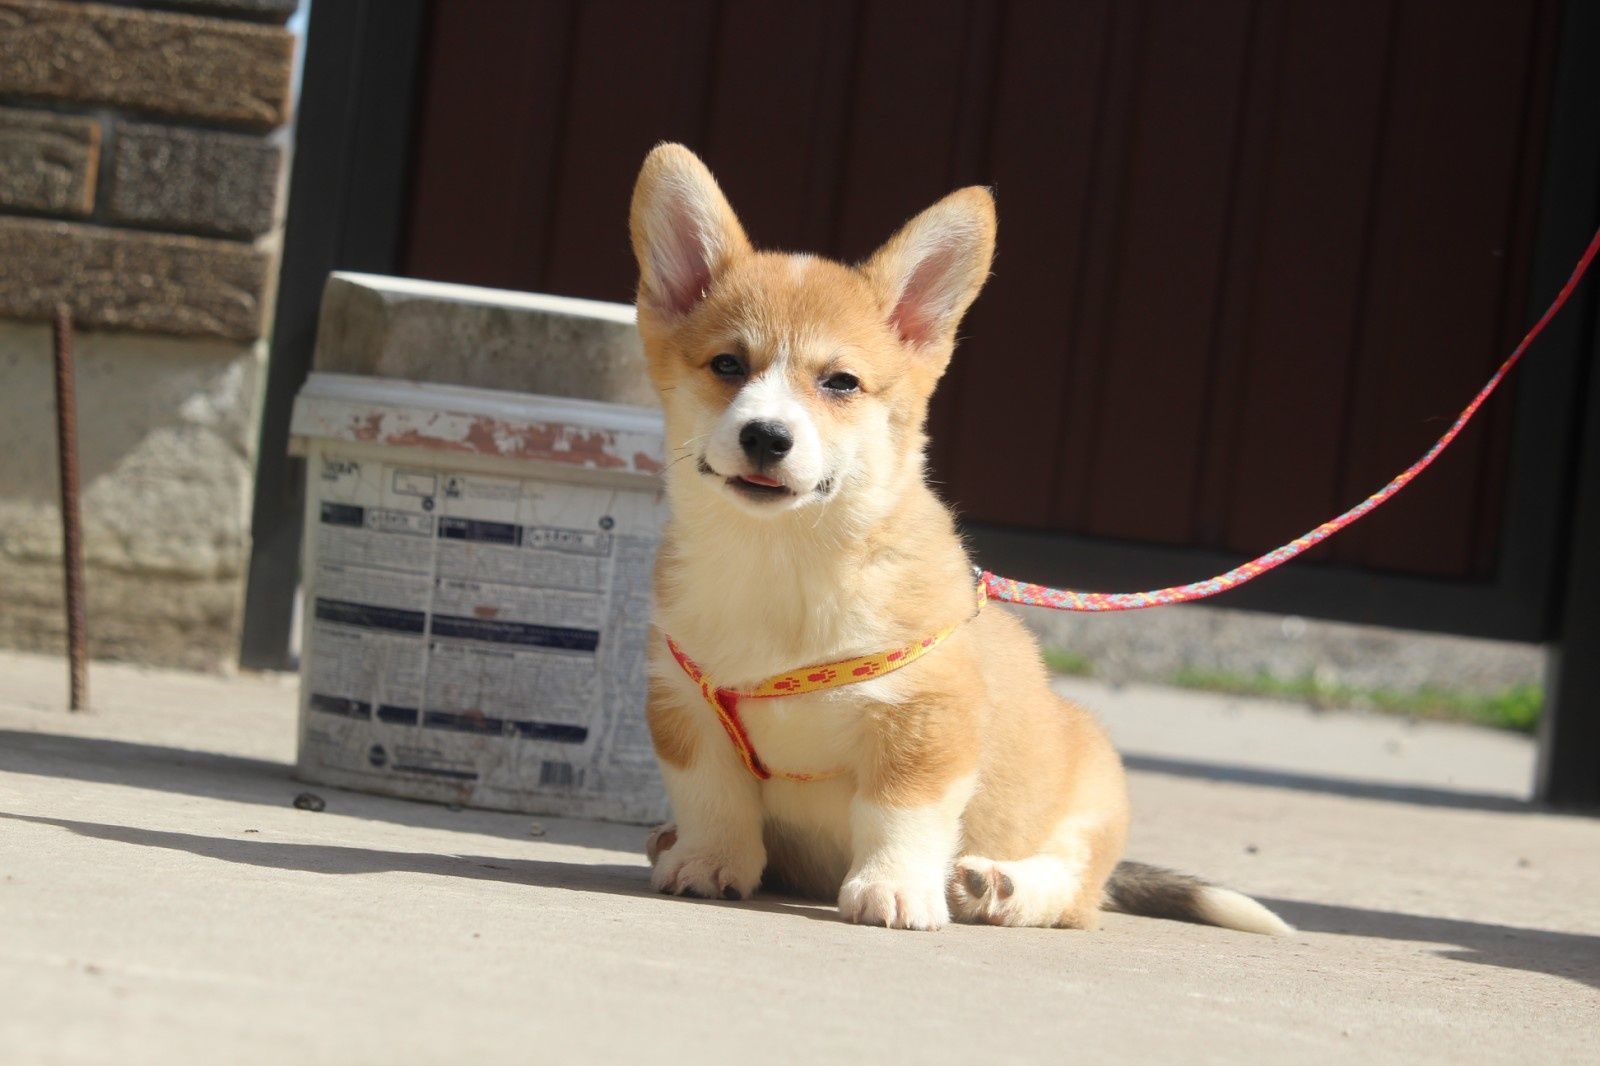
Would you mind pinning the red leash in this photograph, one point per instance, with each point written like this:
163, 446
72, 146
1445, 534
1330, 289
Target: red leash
724, 702
1004, 588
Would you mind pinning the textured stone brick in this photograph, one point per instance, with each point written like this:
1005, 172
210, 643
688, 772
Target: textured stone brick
167, 437
153, 619
123, 279
187, 179
204, 68
48, 161
264, 10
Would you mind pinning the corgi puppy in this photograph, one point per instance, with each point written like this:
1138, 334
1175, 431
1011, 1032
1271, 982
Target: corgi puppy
802, 531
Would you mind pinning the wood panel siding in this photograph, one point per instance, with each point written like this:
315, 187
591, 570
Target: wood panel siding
1254, 255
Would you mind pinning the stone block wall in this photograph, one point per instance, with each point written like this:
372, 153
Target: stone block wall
142, 180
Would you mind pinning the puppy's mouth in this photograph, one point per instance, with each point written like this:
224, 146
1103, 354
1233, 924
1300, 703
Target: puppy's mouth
762, 488
759, 487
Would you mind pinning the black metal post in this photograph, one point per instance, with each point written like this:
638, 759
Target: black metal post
71, 515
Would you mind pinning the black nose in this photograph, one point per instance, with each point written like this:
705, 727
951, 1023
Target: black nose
765, 442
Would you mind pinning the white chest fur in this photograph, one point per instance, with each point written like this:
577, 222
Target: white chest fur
747, 601
816, 733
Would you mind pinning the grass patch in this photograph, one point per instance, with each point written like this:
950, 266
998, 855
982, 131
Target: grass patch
1070, 663
1516, 709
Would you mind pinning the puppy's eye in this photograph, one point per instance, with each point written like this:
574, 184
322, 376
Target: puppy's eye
727, 366
841, 382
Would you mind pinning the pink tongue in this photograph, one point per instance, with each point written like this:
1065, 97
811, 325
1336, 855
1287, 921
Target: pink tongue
757, 479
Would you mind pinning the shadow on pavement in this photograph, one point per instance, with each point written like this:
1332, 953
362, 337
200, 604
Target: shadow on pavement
1574, 956
337, 859
247, 780
272, 784
1418, 795
259, 781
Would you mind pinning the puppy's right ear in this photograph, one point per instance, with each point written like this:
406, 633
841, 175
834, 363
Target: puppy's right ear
684, 232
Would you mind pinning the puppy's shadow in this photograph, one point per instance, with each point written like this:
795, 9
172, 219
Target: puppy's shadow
338, 859
1572, 956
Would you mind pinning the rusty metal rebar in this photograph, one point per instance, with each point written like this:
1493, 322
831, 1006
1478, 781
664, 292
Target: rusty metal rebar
71, 518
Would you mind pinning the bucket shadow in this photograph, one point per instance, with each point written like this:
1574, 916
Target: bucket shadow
339, 860
272, 784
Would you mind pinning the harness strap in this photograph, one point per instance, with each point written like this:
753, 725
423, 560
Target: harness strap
724, 702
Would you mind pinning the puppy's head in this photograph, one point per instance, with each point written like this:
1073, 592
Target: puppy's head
789, 380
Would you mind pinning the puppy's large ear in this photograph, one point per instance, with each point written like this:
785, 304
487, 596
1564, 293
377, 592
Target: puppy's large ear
684, 232
931, 271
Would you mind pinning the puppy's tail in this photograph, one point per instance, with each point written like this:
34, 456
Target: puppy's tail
1136, 888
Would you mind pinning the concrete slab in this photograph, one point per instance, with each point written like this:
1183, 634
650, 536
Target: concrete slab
162, 901
446, 334
1200, 734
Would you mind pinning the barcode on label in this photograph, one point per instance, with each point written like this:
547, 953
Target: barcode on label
555, 774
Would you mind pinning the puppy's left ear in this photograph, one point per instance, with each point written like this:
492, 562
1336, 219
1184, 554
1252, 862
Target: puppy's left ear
684, 233
930, 272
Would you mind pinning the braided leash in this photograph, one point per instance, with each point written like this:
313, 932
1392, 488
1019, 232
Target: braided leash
724, 702
1011, 591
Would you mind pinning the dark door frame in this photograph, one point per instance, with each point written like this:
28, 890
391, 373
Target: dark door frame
1569, 741
352, 156
347, 209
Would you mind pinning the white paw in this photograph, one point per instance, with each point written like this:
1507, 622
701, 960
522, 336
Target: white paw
1038, 891
897, 903
661, 839
982, 890
704, 870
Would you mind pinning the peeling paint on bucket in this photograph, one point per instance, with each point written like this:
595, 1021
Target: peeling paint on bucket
477, 596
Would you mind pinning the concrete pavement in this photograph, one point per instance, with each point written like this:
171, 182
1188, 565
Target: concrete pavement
162, 901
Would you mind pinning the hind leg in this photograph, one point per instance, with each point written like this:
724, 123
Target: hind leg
1041, 890
1061, 886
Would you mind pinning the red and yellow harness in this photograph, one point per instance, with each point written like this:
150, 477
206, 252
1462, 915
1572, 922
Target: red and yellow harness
724, 702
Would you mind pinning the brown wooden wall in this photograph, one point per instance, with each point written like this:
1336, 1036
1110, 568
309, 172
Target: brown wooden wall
1253, 255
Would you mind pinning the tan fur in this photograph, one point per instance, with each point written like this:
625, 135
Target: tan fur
970, 739
671, 728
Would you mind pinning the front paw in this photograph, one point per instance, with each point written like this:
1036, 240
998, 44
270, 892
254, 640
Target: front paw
660, 840
706, 871
897, 903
